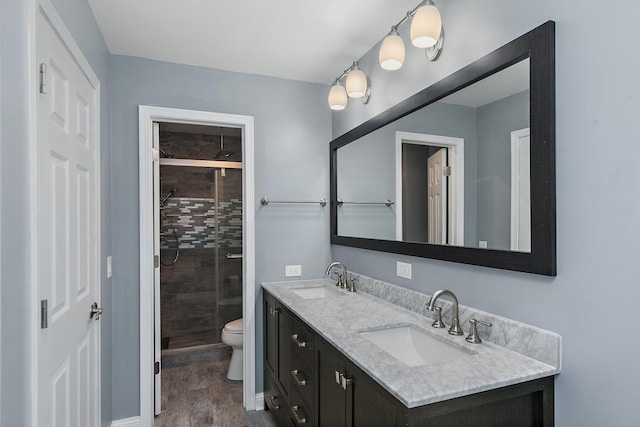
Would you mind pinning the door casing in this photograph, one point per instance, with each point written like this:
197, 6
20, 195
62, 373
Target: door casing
146, 116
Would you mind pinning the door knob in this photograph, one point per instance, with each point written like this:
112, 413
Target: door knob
95, 311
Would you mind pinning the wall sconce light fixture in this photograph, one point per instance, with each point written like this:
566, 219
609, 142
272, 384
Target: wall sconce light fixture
426, 33
337, 97
391, 55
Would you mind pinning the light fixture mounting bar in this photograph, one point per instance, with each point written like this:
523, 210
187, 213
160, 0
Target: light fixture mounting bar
410, 14
345, 72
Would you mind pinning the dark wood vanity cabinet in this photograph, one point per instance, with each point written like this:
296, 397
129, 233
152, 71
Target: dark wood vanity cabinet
347, 396
289, 366
307, 381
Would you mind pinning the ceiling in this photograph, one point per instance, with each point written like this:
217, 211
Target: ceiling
311, 41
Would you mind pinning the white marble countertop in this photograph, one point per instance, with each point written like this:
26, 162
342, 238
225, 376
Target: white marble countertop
339, 318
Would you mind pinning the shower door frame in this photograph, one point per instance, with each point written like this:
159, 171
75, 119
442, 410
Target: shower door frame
147, 115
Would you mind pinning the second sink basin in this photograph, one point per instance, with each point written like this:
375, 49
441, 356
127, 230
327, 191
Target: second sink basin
313, 292
414, 347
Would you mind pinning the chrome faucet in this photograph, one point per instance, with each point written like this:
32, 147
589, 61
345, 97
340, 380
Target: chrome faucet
342, 278
455, 322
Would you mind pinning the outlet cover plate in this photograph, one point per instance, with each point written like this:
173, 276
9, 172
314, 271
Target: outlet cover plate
293, 271
403, 269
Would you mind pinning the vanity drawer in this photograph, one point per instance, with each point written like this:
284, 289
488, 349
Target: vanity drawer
302, 342
302, 379
275, 403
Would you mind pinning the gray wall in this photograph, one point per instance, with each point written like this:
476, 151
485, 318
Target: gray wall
597, 105
14, 168
14, 202
292, 132
496, 121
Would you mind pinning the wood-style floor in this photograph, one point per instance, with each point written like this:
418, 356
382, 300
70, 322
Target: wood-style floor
199, 395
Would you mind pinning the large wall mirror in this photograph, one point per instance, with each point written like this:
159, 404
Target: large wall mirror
462, 171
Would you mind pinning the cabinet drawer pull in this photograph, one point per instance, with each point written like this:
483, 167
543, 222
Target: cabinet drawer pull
271, 404
300, 382
274, 311
301, 344
295, 409
338, 375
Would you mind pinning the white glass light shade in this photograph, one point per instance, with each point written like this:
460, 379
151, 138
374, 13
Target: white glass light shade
356, 83
391, 55
337, 97
426, 26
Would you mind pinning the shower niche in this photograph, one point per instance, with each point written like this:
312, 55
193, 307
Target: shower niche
200, 233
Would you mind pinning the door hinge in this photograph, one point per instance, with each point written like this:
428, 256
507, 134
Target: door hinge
43, 314
446, 171
43, 78
155, 155
156, 261
156, 368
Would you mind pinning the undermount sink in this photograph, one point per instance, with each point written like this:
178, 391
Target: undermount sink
313, 292
414, 347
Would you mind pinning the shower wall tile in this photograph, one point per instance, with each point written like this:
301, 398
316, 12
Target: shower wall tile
192, 221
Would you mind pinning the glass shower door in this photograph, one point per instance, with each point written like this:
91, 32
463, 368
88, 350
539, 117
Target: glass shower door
228, 246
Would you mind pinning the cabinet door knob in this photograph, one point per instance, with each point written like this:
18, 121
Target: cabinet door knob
338, 375
345, 382
301, 344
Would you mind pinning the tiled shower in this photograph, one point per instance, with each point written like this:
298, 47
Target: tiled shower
201, 224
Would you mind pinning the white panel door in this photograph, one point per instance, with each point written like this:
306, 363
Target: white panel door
437, 197
68, 232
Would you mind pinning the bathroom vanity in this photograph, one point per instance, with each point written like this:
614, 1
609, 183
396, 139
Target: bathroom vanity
334, 358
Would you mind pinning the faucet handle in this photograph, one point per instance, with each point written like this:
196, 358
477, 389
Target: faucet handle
352, 280
473, 337
438, 323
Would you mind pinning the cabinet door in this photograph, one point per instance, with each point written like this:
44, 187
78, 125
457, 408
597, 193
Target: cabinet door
366, 402
271, 312
331, 395
284, 351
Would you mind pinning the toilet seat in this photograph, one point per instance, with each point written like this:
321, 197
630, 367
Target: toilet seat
234, 327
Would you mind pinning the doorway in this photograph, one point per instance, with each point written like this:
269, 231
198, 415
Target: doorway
438, 220
199, 235
177, 236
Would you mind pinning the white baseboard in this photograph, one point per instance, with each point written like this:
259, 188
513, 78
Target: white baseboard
260, 402
127, 422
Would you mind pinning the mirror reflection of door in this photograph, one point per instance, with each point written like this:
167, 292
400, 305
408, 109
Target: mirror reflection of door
430, 206
437, 197
520, 191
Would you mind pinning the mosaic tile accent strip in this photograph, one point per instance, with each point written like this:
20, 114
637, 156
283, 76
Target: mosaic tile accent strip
192, 220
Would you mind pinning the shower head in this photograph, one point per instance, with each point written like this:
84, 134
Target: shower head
170, 193
222, 153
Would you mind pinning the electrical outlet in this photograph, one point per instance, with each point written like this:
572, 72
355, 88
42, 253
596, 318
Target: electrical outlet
109, 267
482, 244
403, 269
293, 271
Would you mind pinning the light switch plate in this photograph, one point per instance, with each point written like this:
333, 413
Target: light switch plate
403, 269
293, 271
109, 267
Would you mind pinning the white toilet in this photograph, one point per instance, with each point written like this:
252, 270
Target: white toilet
232, 335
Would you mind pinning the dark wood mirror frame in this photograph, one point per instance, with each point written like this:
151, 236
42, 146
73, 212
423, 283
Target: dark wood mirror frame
539, 46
